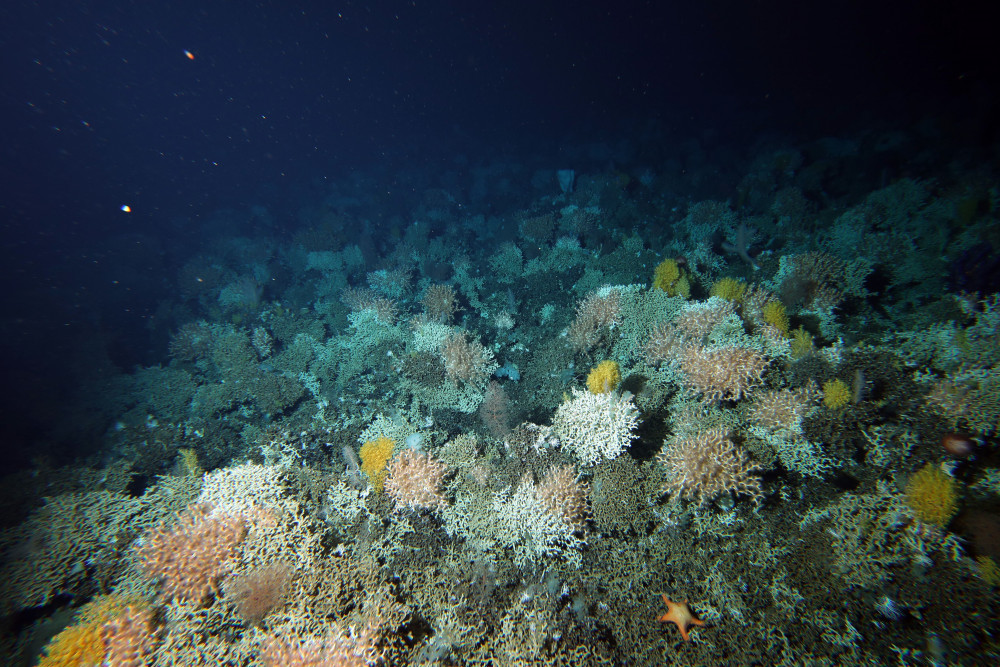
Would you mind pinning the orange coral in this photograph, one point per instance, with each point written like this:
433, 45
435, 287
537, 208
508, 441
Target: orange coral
707, 466
464, 360
563, 495
128, 639
595, 316
87, 641
76, 645
440, 303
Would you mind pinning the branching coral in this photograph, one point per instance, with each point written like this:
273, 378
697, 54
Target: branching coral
564, 495
331, 651
466, 360
415, 480
596, 426
706, 466
440, 303
194, 554
595, 316
725, 373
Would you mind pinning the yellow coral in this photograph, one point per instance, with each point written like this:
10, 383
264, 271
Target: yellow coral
76, 646
669, 278
774, 314
81, 644
802, 343
932, 494
188, 462
836, 394
604, 377
729, 289
989, 570
375, 454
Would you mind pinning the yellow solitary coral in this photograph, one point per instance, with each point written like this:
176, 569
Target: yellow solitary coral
375, 454
729, 289
802, 343
604, 377
836, 394
932, 494
668, 277
774, 314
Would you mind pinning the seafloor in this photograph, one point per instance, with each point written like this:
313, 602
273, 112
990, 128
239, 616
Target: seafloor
393, 440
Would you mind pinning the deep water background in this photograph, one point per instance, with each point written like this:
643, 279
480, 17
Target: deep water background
283, 103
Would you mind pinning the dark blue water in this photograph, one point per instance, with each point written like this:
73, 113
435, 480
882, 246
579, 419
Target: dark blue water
182, 110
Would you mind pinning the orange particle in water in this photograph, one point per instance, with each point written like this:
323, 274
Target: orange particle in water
190, 56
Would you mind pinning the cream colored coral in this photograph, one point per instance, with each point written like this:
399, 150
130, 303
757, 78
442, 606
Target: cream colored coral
706, 466
596, 427
415, 480
724, 373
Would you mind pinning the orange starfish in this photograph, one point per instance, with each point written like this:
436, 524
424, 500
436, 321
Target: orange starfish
680, 615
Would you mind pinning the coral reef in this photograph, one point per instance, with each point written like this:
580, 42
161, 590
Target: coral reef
550, 442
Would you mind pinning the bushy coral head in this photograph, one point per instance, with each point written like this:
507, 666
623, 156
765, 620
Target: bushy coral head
375, 454
596, 427
932, 494
774, 314
668, 277
802, 343
415, 481
190, 557
729, 289
706, 466
836, 394
604, 377
725, 373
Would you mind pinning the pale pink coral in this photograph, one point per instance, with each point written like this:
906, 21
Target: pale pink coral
194, 554
465, 360
725, 373
706, 466
415, 480
128, 639
596, 315
563, 495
